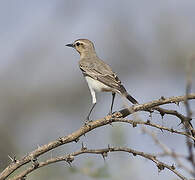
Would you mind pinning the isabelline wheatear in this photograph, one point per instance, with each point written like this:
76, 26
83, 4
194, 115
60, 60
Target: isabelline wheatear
98, 74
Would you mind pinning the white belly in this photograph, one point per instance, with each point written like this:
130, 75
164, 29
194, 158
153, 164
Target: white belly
97, 85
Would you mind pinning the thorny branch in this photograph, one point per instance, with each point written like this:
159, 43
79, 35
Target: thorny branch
166, 151
189, 112
104, 152
149, 123
116, 117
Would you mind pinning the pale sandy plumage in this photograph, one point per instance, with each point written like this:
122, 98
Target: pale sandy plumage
98, 74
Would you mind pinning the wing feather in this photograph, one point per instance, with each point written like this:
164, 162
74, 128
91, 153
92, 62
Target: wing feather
103, 75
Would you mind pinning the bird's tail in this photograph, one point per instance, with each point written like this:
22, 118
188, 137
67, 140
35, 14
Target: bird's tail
131, 99
127, 95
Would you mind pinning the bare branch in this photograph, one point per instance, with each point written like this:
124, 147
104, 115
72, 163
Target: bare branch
189, 112
147, 106
164, 111
70, 157
149, 123
168, 152
93, 125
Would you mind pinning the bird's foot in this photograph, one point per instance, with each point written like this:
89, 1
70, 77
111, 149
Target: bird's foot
111, 113
87, 121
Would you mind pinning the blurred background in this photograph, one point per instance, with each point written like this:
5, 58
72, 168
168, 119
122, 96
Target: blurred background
43, 95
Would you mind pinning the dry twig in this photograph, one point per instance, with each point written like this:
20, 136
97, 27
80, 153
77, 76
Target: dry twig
104, 152
32, 156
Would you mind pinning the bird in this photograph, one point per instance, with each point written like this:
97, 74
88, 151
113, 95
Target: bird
98, 74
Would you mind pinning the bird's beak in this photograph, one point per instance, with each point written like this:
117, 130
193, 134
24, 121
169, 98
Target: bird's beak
70, 45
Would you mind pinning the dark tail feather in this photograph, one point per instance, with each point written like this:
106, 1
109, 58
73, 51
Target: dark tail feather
128, 96
131, 99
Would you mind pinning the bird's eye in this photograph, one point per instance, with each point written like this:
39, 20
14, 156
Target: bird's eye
78, 44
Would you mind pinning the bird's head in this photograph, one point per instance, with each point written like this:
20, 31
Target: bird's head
83, 46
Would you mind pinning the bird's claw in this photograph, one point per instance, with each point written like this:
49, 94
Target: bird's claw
111, 113
87, 121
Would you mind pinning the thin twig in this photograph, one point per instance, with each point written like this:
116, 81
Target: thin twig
189, 112
149, 123
168, 152
87, 128
70, 157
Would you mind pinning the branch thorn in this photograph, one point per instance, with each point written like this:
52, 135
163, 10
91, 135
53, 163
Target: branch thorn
83, 148
76, 140
35, 162
69, 159
12, 159
104, 155
60, 139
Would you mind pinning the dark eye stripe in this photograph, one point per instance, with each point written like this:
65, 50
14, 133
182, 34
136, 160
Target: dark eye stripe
77, 43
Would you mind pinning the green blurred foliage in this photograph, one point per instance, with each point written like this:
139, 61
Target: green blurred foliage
89, 169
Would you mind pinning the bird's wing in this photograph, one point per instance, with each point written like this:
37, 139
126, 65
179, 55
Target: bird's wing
101, 73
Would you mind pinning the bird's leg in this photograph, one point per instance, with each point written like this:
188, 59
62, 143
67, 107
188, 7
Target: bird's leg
87, 119
112, 103
94, 103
